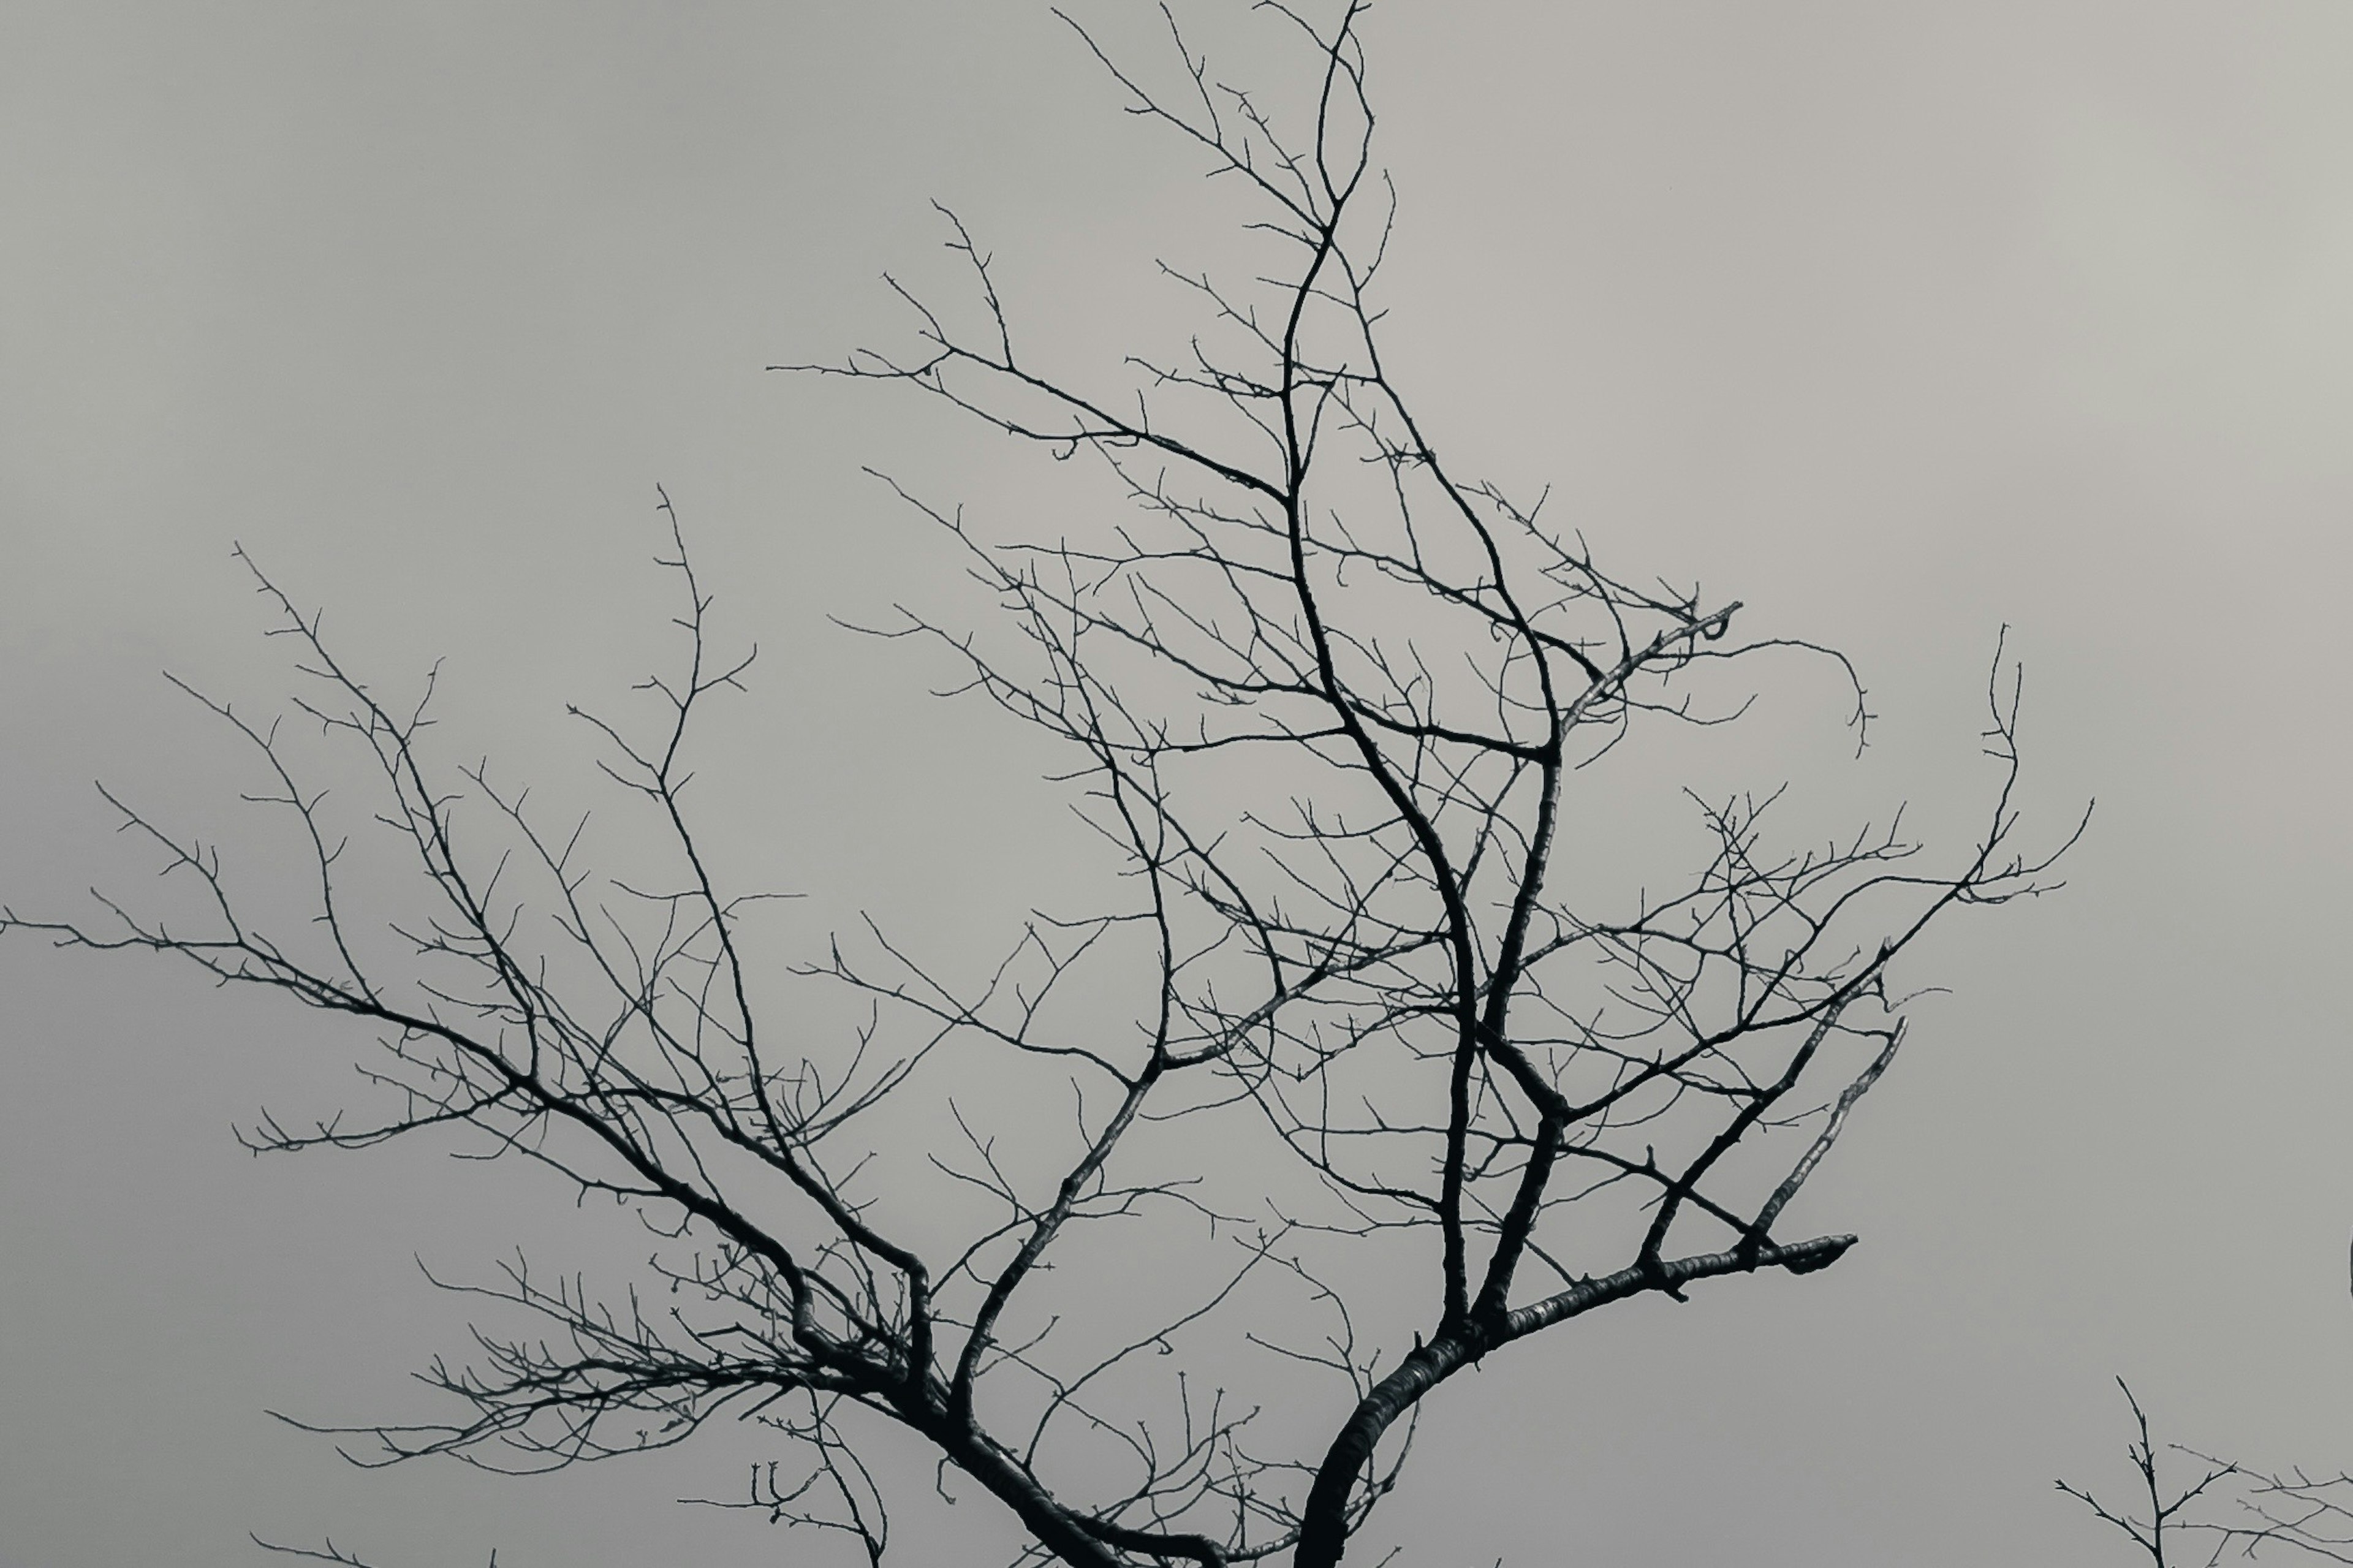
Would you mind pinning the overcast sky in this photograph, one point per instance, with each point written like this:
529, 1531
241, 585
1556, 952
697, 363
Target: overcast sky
1898, 322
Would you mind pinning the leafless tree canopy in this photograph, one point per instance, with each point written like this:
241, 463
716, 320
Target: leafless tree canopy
1326, 698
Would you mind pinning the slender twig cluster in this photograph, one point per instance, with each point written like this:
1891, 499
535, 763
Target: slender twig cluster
2227, 1510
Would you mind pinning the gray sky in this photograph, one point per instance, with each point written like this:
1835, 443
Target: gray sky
1897, 323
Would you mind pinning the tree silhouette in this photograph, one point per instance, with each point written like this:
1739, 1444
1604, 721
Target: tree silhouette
1328, 701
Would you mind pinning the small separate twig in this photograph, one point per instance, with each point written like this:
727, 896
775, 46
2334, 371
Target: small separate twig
2224, 1508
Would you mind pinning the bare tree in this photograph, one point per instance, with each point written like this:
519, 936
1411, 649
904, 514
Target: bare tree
2227, 1510
1328, 701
